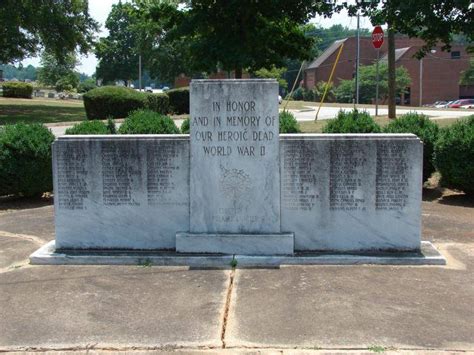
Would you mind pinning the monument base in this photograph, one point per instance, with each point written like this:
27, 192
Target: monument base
47, 255
242, 244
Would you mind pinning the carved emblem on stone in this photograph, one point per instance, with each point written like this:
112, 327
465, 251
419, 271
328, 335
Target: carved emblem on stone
236, 185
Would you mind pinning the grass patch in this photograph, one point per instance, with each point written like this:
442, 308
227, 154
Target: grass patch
40, 111
376, 348
382, 121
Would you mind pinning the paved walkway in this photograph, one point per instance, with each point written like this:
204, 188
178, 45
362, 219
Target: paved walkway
290, 310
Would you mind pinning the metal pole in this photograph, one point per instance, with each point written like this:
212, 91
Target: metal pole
421, 82
357, 59
377, 84
140, 72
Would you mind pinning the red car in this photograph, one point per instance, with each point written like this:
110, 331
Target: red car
463, 102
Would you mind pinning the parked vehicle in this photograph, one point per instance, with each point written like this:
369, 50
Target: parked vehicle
462, 102
440, 104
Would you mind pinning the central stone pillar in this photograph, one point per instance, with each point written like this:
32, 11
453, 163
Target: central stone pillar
235, 169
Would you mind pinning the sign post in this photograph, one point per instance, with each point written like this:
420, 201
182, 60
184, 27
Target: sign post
377, 41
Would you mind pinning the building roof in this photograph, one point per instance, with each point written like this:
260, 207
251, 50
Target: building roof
399, 52
326, 54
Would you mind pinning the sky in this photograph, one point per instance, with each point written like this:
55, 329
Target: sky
99, 10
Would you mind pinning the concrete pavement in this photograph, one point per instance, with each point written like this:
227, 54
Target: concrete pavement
329, 112
292, 310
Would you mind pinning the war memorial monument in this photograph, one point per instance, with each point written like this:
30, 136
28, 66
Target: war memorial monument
234, 189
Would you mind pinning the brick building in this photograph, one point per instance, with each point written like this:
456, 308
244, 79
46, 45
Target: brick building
440, 70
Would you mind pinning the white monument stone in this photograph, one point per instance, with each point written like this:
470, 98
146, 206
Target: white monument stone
235, 165
120, 191
234, 186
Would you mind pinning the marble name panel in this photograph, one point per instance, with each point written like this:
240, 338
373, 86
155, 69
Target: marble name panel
352, 192
121, 191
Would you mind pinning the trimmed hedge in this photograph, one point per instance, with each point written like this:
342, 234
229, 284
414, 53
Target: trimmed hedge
92, 127
16, 89
352, 122
112, 101
179, 100
148, 122
25, 160
119, 101
158, 102
454, 155
425, 129
185, 126
288, 123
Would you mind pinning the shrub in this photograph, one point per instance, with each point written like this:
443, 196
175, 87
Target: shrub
86, 85
148, 122
158, 102
454, 155
352, 122
179, 100
25, 160
288, 123
91, 127
113, 101
16, 89
344, 92
425, 129
308, 95
185, 126
298, 94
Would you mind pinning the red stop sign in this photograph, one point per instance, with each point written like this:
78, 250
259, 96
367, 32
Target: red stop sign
377, 37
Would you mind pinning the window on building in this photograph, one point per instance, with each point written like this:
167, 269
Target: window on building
455, 55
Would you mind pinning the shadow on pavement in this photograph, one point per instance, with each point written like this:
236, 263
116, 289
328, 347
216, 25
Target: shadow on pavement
24, 203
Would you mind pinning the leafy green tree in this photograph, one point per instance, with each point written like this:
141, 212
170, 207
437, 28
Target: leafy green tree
345, 90
117, 53
430, 20
20, 73
235, 34
467, 76
60, 26
273, 73
58, 73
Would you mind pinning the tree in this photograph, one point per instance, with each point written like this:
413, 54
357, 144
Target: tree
235, 34
368, 81
430, 20
117, 53
60, 74
60, 26
467, 76
273, 73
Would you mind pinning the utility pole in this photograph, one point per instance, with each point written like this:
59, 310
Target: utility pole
421, 83
391, 73
140, 72
357, 59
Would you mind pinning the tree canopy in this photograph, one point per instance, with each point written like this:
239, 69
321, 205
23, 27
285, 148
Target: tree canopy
118, 52
345, 90
59, 26
62, 74
232, 35
430, 20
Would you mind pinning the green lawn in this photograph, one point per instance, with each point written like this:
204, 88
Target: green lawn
317, 126
40, 110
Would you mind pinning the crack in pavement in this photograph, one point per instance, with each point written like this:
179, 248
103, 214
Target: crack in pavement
227, 306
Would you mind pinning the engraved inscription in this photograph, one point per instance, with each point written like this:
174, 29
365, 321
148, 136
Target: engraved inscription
391, 178
71, 177
162, 170
120, 173
298, 178
345, 177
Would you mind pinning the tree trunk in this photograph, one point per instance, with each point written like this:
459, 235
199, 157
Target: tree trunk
238, 73
391, 73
